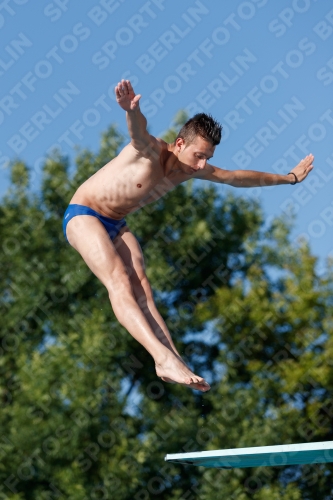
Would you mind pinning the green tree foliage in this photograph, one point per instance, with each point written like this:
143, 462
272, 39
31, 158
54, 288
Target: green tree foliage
83, 415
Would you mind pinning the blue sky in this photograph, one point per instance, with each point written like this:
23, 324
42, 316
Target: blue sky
264, 69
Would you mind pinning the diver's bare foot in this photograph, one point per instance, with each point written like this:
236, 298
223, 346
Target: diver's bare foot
174, 371
199, 386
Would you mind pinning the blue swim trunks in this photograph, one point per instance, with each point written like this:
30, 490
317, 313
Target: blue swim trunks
112, 226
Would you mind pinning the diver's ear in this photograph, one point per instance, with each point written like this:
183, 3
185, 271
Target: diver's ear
179, 143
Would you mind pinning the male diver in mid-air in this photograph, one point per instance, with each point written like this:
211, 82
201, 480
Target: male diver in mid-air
94, 221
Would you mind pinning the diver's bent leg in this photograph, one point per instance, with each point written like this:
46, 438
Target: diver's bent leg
88, 236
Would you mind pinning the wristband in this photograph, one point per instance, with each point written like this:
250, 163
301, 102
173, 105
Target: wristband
295, 181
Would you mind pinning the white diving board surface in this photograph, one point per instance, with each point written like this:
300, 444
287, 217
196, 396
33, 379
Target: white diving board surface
260, 456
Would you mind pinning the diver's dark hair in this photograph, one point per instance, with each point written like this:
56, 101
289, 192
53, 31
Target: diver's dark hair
203, 125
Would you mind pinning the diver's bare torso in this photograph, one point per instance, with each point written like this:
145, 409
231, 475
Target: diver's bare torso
130, 181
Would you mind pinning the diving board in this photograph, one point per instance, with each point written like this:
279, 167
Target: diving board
260, 456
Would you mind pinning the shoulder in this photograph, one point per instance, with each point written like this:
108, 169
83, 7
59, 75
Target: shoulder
160, 143
205, 172
150, 148
213, 174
